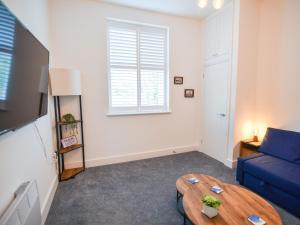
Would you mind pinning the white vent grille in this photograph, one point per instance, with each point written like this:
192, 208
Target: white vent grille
25, 208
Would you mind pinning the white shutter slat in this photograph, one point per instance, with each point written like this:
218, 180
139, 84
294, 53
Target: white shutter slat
123, 67
152, 55
152, 88
137, 61
123, 87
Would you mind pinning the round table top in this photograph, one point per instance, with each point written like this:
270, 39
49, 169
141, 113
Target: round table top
237, 205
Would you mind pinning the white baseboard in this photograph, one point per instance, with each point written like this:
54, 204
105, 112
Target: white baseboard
228, 162
133, 156
231, 163
49, 198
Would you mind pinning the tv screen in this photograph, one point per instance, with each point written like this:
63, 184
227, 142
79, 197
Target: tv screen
24, 68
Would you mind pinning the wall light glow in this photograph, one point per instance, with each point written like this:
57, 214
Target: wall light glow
202, 3
251, 129
261, 130
218, 4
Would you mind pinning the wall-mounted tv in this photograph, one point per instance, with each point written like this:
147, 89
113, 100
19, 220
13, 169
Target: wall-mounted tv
24, 64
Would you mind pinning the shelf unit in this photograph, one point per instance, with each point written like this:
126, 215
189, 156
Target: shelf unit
63, 173
249, 147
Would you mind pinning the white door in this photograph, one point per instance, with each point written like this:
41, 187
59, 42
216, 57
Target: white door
215, 118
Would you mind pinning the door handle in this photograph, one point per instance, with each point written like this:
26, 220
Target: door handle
222, 114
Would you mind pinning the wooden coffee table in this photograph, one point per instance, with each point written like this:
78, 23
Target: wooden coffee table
237, 202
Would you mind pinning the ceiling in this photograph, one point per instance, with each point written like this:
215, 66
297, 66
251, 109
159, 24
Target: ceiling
188, 8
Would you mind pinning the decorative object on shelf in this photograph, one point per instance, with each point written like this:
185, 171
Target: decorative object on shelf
255, 135
189, 93
69, 119
69, 141
255, 138
178, 80
217, 4
210, 205
66, 82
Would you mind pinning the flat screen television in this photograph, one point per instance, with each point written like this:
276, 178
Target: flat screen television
24, 71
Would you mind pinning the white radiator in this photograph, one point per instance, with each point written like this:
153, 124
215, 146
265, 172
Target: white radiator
25, 208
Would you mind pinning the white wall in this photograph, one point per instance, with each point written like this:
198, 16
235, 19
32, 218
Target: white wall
243, 97
278, 77
78, 35
267, 93
21, 153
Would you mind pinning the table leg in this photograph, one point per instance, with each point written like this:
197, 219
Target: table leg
178, 196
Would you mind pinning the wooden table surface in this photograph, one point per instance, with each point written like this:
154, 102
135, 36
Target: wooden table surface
237, 205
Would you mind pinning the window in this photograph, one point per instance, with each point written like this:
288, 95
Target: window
7, 30
138, 68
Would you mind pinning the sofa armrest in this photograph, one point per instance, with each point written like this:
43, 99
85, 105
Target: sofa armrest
240, 166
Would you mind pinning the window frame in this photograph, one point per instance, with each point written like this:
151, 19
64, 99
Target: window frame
138, 110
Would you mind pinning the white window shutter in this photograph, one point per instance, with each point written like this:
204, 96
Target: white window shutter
123, 66
138, 79
153, 67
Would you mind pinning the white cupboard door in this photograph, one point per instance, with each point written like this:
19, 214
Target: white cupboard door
224, 31
210, 37
215, 118
218, 31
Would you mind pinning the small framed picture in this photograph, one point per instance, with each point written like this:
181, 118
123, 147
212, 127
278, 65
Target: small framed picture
68, 141
178, 80
189, 93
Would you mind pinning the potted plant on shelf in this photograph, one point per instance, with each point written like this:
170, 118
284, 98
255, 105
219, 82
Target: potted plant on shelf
210, 205
70, 120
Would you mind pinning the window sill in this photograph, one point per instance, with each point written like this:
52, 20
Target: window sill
112, 114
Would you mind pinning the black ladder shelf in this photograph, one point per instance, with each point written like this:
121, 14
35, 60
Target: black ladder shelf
63, 173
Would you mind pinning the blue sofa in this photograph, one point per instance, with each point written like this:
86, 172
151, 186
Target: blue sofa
274, 172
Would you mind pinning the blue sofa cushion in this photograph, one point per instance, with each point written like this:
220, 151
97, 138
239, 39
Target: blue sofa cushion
277, 172
240, 166
282, 144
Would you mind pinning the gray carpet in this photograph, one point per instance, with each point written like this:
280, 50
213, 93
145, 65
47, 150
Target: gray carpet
135, 193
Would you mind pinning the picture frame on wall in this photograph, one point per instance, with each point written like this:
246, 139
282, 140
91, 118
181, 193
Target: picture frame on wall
178, 80
189, 93
69, 141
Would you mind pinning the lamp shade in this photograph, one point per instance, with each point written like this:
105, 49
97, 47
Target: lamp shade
65, 82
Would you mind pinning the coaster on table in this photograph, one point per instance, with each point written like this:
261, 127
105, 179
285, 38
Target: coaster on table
256, 220
193, 180
216, 189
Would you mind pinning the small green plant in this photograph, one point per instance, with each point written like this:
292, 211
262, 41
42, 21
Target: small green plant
69, 118
211, 201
